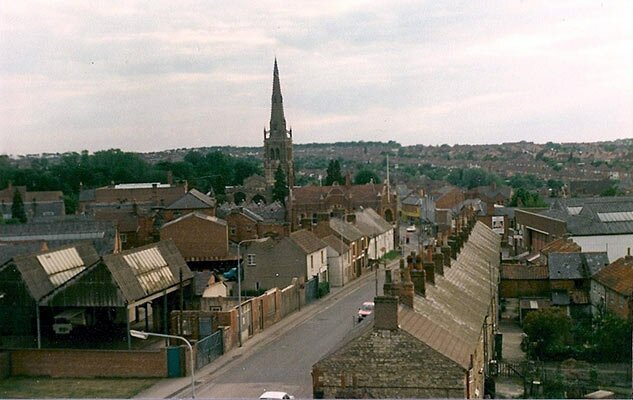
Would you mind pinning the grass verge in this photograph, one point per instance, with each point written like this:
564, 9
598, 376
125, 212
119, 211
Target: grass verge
72, 388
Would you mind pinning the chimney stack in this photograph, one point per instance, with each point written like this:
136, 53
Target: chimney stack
386, 313
429, 272
419, 286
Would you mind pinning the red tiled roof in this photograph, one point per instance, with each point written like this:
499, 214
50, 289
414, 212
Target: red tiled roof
617, 276
562, 245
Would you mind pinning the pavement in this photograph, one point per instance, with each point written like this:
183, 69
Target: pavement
181, 387
510, 387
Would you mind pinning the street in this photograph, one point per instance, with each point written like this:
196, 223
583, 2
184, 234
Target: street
285, 363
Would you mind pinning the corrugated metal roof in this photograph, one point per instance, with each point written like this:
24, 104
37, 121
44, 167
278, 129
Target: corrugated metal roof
151, 269
43, 274
141, 185
623, 216
574, 210
58, 236
61, 265
147, 270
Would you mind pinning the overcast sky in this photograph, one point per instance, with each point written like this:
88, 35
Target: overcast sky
155, 75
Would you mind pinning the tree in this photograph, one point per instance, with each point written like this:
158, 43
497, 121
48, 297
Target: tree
525, 198
611, 338
365, 176
17, 208
334, 173
548, 331
280, 189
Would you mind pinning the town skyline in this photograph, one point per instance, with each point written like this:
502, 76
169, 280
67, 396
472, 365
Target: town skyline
149, 79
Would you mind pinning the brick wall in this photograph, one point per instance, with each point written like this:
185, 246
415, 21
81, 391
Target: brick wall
198, 239
71, 363
523, 288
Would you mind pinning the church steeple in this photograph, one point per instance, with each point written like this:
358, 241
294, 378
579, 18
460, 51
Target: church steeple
278, 140
277, 119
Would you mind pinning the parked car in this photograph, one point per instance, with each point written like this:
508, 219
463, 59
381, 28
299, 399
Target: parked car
273, 395
365, 310
64, 322
411, 228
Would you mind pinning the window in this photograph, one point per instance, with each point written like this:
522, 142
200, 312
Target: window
250, 260
233, 230
322, 257
311, 262
123, 237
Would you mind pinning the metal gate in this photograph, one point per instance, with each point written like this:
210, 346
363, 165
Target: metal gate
209, 348
311, 290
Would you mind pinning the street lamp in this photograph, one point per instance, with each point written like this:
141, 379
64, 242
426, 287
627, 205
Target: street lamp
146, 335
239, 288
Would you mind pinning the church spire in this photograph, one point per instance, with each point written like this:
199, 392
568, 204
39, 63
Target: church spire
277, 119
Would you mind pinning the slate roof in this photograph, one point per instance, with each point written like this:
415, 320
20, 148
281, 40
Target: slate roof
337, 244
42, 272
273, 212
307, 241
147, 270
492, 191
617, 276
62, 231
583, 215
358, 193
10, 250
192, 200
87, 195
347, 230
571, 266
126, 220
451, 315
522, 272
375, 223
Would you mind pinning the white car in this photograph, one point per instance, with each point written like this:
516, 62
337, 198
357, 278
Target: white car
365, 310
273, 395
411, 228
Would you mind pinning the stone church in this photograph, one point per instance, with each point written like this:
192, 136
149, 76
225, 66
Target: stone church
277, 152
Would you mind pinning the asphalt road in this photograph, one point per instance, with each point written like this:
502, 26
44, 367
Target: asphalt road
285, 363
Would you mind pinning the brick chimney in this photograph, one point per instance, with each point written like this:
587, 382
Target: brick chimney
429, 271
386, 313
438, 260
388, 286
406, 288
419, 286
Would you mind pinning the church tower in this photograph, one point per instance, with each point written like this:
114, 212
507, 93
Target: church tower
278, 140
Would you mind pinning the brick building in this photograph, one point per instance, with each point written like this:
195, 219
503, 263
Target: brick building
198, 237
309, 204
36, 204
612, 287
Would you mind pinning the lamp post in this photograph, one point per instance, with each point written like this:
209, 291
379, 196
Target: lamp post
239, 287
146, 335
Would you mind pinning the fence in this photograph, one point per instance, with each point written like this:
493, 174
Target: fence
209, 348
